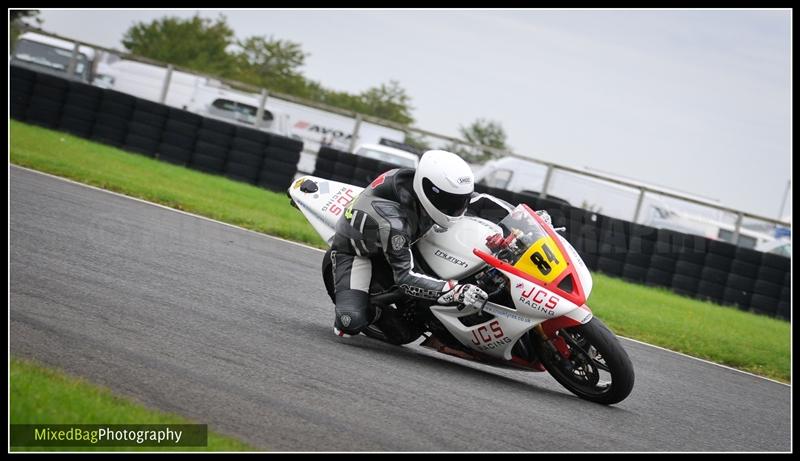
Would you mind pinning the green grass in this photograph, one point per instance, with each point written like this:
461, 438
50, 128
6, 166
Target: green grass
721, 334
153, 180
42, 395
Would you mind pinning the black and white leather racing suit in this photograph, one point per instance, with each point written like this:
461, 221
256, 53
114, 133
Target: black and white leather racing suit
384, 219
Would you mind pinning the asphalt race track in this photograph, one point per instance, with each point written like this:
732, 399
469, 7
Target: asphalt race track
233, 329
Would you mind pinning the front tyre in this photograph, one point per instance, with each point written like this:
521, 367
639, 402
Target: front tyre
596, 368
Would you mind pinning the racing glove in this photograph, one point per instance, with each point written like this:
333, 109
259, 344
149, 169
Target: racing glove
545, 216
467, 294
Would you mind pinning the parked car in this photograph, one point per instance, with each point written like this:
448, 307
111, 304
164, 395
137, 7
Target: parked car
388, 154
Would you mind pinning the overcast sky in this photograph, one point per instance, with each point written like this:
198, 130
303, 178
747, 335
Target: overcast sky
698, 101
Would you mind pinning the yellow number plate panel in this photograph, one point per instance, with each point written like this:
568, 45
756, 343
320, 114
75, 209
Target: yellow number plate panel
543, 260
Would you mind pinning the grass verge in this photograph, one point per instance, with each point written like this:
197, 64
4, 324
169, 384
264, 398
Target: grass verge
724, 335
42, 395
138, 176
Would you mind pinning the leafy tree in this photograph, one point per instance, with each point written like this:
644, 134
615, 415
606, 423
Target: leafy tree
209, 46
483, 132
197, 43
389, 102
271, 58
16, 19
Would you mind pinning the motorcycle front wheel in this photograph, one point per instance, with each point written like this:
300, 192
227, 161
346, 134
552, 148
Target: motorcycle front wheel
597, 368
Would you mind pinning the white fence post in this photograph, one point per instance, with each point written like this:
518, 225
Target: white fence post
73, 60
354, 139
638, 205
738, 228
547, 176
260, 111
166, 84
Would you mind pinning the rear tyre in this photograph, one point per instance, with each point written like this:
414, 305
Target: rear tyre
598, 369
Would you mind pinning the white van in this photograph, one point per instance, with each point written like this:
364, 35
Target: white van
388, 154
516, 175
510, 173
53, 55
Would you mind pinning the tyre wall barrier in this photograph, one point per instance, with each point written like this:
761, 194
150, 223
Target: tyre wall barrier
338, 165
687, 264
155, 130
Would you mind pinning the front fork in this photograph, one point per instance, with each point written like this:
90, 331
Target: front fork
555, 345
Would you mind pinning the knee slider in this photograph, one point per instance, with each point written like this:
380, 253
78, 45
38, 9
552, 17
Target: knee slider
353, 312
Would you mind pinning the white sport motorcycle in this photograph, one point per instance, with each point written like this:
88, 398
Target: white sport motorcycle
536, 318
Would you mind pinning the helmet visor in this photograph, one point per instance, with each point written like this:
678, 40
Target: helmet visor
446, 202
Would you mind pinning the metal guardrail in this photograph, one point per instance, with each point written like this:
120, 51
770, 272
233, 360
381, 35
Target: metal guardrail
551, 166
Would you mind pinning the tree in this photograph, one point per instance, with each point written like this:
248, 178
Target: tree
209, 46
271, 58
274, 64
16, 19
197, 43
389, 102
483, 132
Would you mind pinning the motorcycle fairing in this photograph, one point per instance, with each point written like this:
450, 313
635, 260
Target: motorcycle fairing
324, 204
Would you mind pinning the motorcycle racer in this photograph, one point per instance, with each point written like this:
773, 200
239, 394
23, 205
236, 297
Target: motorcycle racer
395, 210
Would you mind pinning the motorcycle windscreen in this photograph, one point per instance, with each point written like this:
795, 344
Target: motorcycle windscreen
541, 254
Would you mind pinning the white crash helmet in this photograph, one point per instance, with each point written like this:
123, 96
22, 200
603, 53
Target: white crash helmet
444, 184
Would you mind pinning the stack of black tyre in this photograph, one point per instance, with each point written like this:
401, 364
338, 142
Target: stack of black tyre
112, 116
690, 261
714, 275
152, 129
325, 163
281, 155
741, 278
80, 109
36, 97
342, 166
179, 136
771, 289
212, 143
21, 82
366, 169
667, 246
146, 127
260, 158
583, 233
345, 167
641, 246
246, 154
613, 246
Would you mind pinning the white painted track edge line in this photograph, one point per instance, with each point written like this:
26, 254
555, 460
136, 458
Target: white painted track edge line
317, 249
140, 200
702, 360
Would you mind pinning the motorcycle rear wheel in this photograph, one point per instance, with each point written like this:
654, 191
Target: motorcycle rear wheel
598, 370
